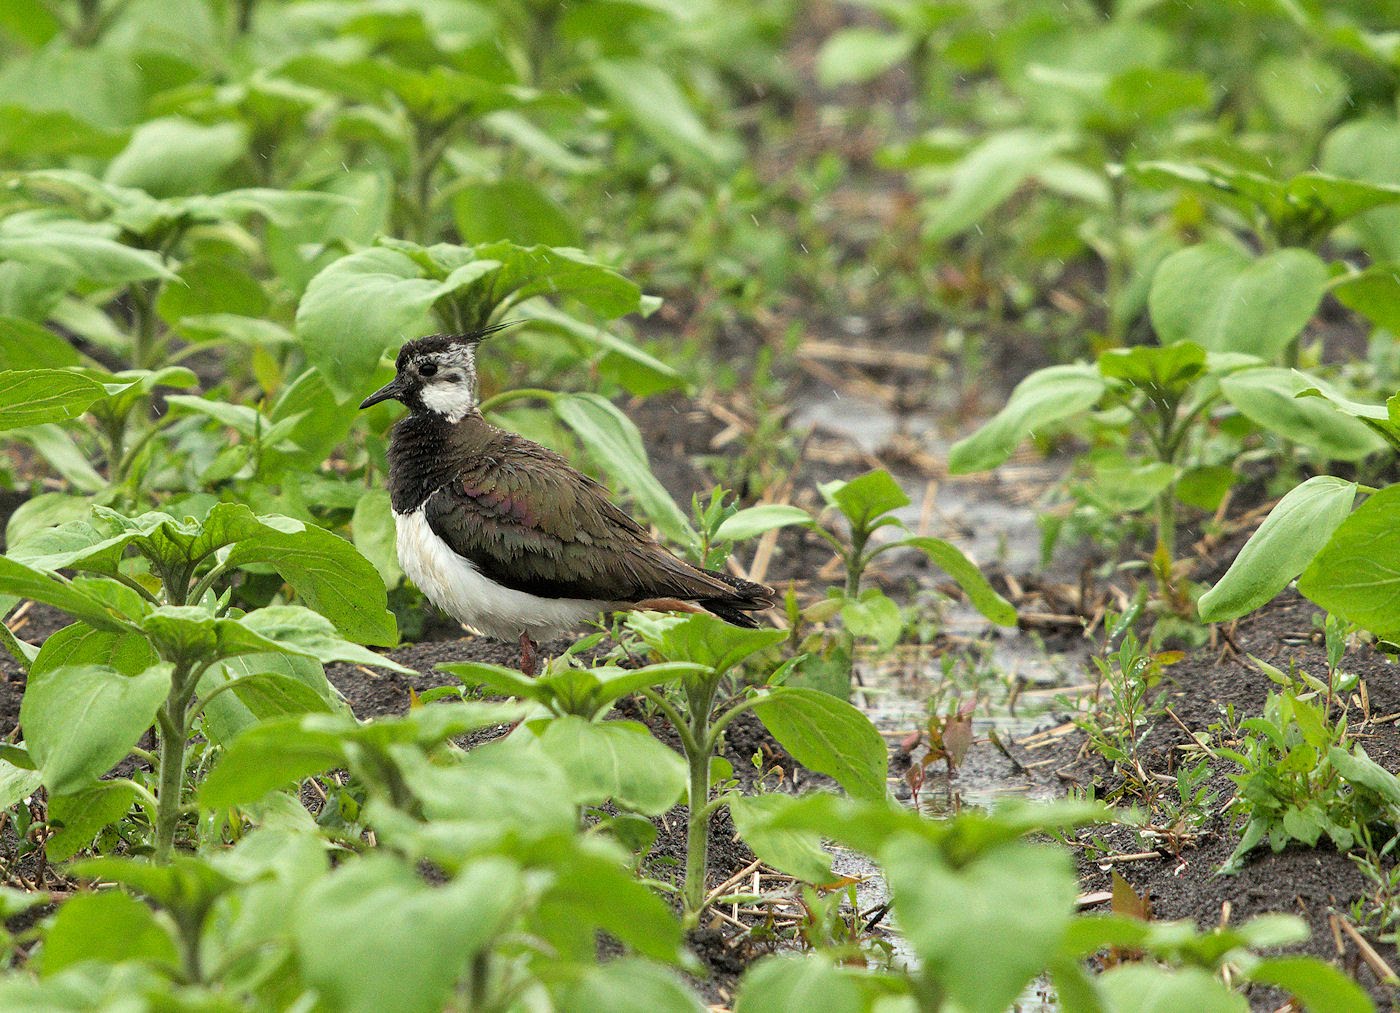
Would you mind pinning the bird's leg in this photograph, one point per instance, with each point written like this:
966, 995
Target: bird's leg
528, 659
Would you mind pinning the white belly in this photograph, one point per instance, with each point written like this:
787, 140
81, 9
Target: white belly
456, 586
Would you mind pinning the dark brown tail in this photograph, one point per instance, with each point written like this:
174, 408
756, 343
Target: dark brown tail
747, 597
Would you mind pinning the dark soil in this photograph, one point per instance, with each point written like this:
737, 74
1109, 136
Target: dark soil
1314, 883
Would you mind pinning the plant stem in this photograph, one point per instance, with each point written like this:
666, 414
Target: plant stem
174, 735
701, 696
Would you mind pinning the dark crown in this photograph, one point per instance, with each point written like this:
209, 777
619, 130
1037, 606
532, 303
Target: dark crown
442, 342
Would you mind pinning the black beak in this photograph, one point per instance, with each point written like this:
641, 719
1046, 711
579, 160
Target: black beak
389, 391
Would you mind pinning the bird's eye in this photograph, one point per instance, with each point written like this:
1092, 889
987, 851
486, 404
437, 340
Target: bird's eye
428, 369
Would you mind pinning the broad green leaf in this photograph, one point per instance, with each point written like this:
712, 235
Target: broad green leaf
796, 852
829, 736
17, 783
789, 982
1321, 987
358, 932
356, 308
110, 927
856, 55
644, 93
593, 890
1165, 370
614, 443
85, 82
1357, 573
617, 761
1219, 297
627, 985
1374, 293
1293, 533
637, 371
1205, 487
83, 814
1358, 768
1369, 150
31, 397
81, 720
1268, 398
170, 156
1148, 988
83, 250
513, 209
866, 498
274, 754
26, 345
1014, 901
186, 885
755, 520
375, 535
68, 596
703, 639
298, 630
1302, 91
986, 176
966, 575
1044, 397
329, 575
1120, 484
875, 616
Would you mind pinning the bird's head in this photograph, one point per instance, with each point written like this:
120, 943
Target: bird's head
436, 375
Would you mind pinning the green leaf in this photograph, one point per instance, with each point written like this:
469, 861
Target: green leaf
1302, 91
617, 761
703, 639
795, 852
856, 55
1268, 397
755, 520
358, 932
791, 982
328, 574
268, 756
987, 176
873, 615
863, 500
1320, 987
109, 927
1014, 901
298, 630
30, 397
637, 371
829, 736
513, 209
82, 814
1293, 533
1369, 150
1147, 988
1358, 768
644, 93
614, 443
375, 534
1219, 297
80, 249
356, 308
1166, 370
172, 155
1374, 293
967, 576
81, 720
1045, 396
1357, 573
627, 985
25, 345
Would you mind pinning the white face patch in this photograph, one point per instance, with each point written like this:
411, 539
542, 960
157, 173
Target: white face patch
448, 398
451, 390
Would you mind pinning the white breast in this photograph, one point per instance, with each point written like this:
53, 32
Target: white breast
456, 586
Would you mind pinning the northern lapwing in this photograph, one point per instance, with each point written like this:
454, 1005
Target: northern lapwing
504, 535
